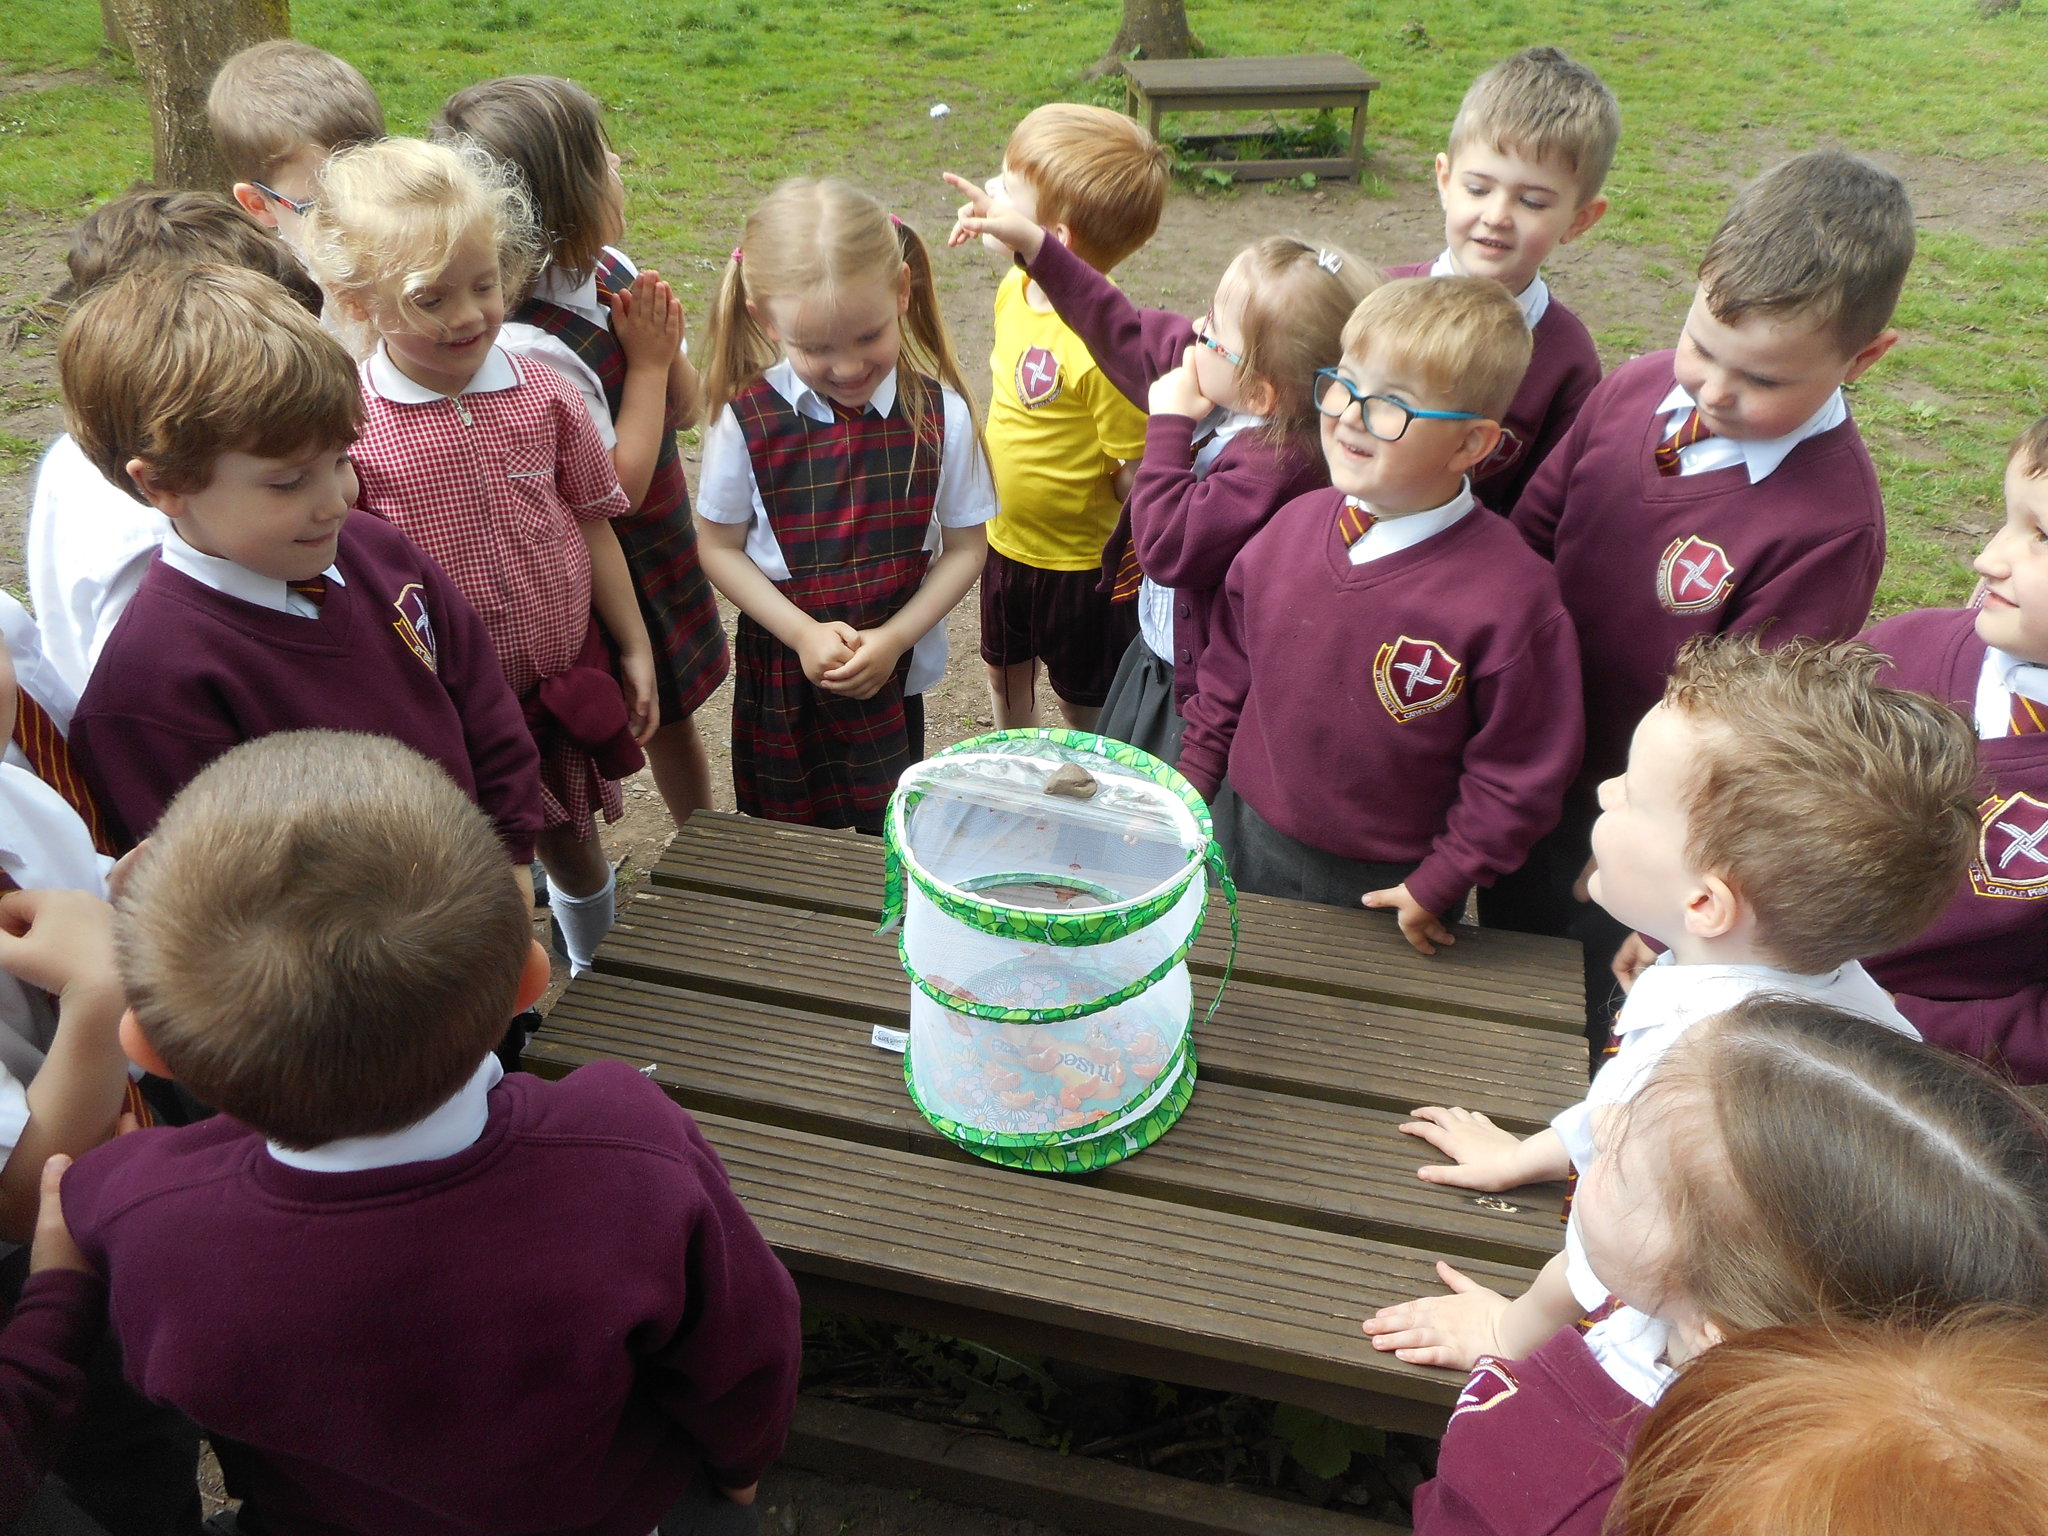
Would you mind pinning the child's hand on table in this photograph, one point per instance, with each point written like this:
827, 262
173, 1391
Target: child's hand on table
985, 214
1175, 393
1483, 1156
1419, 926
861, 676
1453, 1330
825, 646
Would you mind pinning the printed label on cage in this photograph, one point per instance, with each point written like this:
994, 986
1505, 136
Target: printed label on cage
886, 1039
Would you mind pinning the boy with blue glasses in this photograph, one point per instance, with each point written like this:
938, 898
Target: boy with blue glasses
1395, 699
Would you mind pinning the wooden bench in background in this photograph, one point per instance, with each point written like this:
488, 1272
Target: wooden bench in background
1240, 1252
1311, 82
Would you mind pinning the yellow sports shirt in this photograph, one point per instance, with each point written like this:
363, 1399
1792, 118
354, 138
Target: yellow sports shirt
1054, 425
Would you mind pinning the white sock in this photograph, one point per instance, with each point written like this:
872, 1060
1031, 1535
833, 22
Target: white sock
584, 920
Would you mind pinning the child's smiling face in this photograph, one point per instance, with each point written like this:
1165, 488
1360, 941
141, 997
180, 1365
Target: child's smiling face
1419, 470
278, 517
441, 337
1762, 375
844, 346
2014, 565
1505, 213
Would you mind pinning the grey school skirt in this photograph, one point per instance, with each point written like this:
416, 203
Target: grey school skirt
1266, 860
1139, 708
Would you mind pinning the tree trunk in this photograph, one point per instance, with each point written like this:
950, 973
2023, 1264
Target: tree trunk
1152, 29
110, 27
177, 46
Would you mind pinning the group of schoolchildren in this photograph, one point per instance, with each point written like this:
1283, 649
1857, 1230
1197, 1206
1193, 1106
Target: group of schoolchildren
367, 571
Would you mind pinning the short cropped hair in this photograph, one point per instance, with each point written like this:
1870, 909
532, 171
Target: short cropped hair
275, 99
181, 364
2030, 448
1465, 336
1095, 171
149, 228
1842, 812
1825, 235
1850, 1430
1544, 106
323, 938
552, 131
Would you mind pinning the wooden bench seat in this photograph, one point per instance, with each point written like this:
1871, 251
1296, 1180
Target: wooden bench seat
1310, 81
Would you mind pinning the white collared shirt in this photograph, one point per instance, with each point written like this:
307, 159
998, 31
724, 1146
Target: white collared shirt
1534, 299
2002, 676
1630, 1347
1391, 535
497, 372
728, 493
1666, 1001
1155, 603
1761, 455
89, 544
34, 673
233, 580
443, 1132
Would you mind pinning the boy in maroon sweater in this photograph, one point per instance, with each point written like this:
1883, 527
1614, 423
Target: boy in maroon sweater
1977, 980
1530, 147
208, 393
411, 1296
1392, 682
1719, 487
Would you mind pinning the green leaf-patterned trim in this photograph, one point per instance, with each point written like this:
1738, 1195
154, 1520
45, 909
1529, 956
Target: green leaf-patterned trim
1003, 1015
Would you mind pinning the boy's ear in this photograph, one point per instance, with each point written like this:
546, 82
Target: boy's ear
136, 1047
1591, 212
533, 981
1714, 909
1480, 438
1885, 341
143, 473
1443, 176
256, 205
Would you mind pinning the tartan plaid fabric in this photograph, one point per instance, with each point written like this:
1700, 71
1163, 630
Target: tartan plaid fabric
850, 502
49, 758
492, 484
660, 541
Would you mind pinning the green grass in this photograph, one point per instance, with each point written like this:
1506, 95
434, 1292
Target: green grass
713, 99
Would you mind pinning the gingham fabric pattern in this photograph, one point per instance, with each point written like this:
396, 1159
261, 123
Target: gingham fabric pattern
850, 502
492, 484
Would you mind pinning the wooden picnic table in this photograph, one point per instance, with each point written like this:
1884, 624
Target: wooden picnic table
1311, 81
1239, 1252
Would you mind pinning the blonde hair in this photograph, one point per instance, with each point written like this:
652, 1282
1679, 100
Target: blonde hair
1842, 812
1297, 298
1819, 1165
1543, 106
180, 363
1825, 236
1465, 335
1095, 171
1850, 1430
274, 99
388, 218
810, 239
323, 938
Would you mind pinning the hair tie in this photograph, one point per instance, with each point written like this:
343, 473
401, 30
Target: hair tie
738, 255
1330, 261
893, 219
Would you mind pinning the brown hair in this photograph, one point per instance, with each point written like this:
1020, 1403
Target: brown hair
389, 217
1466, 336
180, 364
147, 228
323, 938
551, 131
1826, 236
811, 238
1297, 298
1095, 171
1820, 1165
1850, 1430
274, 99
2031, 448
1543, 106
1844, 813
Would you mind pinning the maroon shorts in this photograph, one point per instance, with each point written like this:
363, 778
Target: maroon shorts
1059, 618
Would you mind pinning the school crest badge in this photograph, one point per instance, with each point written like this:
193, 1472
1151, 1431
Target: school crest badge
1416, 677
1505, 453
414, 625
1490, 1385
1694, 576
1038, 378
2012, 848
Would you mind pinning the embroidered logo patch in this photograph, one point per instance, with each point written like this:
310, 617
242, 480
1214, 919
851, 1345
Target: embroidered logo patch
1038, 378
1504, 454
415, 627
1694, 576
2012, 848
1416, 677
1490, 1385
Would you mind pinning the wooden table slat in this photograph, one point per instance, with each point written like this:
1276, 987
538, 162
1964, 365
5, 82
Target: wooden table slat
1202, 77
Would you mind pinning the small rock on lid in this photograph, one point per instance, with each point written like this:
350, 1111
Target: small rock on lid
1073, 781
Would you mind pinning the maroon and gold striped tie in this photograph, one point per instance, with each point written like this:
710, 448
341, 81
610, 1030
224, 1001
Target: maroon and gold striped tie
1691, 430
2027, 716
313, 590
1128, 577
1352, 522
49, 759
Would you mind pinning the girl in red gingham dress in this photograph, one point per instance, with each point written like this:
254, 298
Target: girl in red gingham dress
491, 465
834, 465
615, 333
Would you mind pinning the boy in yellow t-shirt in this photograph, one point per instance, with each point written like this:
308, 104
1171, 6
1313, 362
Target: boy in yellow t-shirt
1059, 433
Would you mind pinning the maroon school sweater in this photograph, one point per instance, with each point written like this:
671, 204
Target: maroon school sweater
1423, 708
1187, 531
1977, 979
190, 672
550, 1331
57, 1324
1647, 561
1535, 1447
1564, 365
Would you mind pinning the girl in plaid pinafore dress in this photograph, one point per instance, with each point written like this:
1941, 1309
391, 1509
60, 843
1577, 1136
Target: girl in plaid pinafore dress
615, 333
841, 452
